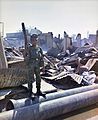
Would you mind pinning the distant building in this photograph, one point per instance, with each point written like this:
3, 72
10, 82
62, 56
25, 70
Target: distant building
57, 43
96, 43
15, 39
46, 40
92, 38
66, 42
78, 40
84, 41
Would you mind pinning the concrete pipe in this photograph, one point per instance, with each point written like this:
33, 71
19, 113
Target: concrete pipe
52, 108
13, 104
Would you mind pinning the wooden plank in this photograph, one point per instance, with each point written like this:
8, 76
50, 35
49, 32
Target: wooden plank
3, 93
59, 75
76, 77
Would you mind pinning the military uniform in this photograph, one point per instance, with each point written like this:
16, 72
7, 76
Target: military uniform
35, 61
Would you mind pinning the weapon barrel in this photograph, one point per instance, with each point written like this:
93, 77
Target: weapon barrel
25, 38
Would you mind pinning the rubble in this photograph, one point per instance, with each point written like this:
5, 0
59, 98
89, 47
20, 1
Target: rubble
53, 52
77, 65
73, 68
82, 60
12, 54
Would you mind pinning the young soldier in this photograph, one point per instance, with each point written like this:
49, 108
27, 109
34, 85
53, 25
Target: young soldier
35, 61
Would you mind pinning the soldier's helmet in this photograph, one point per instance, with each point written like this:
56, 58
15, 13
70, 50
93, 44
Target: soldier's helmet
33, 36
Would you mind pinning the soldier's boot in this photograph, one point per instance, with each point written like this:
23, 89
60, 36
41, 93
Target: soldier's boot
30, 93
39, 92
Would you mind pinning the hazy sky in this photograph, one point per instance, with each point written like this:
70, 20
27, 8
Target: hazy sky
72, 16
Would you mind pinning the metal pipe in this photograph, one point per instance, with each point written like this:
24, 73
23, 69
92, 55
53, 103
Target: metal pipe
13, 104
53, 108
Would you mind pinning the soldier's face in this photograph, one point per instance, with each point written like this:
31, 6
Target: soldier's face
34, 41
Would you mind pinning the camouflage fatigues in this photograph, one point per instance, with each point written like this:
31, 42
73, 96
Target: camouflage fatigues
35, 61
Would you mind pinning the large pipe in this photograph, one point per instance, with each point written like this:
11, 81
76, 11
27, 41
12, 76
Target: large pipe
13, 104
53, 108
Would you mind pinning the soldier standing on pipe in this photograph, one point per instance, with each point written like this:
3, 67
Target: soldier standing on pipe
35, 61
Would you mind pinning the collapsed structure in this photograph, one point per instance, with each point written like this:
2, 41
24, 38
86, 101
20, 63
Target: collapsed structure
78, 69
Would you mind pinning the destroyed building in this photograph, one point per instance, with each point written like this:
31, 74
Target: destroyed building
46, 40
80, 42
15, 39
70, 84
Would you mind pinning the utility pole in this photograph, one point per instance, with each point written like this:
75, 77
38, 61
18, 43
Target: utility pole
3, 60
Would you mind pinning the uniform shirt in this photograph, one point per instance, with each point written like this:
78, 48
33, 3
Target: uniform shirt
36, 56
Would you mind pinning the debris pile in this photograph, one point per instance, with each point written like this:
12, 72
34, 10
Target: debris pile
77, 66
81, 67
65, 65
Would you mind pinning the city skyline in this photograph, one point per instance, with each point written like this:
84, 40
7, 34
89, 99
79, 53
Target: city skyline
51, 16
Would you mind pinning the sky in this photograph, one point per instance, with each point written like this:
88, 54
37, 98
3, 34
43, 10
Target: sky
57, 16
